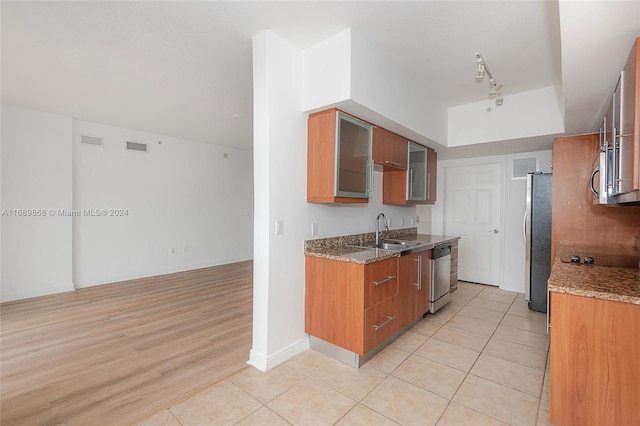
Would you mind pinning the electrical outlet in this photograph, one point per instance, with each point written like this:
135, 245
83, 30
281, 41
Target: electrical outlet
185, 249
401, 222
279, 227
389, 223
314, 228
172, 250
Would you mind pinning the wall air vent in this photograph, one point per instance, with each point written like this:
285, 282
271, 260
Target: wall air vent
91, 140
137, 146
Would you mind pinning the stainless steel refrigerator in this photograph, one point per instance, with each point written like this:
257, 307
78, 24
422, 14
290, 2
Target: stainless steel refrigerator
537, 236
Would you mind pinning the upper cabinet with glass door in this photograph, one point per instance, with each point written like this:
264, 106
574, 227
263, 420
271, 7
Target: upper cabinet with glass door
417, 184
417, 173
338, 158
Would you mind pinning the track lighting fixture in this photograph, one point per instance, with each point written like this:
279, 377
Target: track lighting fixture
480, 75
495, 88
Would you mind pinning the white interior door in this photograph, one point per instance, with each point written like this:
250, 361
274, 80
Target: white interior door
472, 209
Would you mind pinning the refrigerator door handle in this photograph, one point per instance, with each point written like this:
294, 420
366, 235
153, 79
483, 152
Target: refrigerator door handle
524, 227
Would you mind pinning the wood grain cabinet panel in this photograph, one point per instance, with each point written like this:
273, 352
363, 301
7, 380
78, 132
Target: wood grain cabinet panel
595, 361
381, 281
414, 286
407, 288
454, 266
381, 322
574, 217
432, 173
343, 304
389, 149
338, 158
631, 114
395, 183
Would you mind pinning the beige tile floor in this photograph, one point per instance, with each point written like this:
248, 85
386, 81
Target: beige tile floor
481, 360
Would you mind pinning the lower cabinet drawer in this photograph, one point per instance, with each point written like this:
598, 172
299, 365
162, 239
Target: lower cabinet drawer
381, 281
380, 323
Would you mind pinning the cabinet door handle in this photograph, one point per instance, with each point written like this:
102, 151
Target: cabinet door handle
389, 278
393, 163
419, 283
370, 189
548, 310
377, 327
428, 185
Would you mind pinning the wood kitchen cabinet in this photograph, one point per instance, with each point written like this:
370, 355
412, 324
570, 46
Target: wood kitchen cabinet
351, 305
417, 184
389, 149
618, 160
630, 121
432, 173
595, 361
454, 266
339, 163
414, 281
574, 217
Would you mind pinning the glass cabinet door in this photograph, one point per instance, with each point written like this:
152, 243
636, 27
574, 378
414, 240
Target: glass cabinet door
417, 173
353, 157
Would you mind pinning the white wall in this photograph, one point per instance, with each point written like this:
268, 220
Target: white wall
512, 271
179, 194
327, 72
36, 174
523, 115
424, 217
381, 86
280, 152
348, 72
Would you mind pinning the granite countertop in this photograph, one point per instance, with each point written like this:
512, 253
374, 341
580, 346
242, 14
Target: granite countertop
353, 254
618, 284
347, 248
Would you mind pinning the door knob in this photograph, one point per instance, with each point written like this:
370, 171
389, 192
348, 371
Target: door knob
495, 231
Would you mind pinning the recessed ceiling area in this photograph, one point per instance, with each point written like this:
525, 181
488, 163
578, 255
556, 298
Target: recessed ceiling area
184, 69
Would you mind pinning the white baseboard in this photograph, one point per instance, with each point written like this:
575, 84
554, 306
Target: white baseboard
264, 363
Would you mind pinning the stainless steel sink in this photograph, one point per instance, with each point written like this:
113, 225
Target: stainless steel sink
387, 246
403, 243
403, 247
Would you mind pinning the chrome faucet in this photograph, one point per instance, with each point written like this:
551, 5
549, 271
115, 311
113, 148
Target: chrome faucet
384, 220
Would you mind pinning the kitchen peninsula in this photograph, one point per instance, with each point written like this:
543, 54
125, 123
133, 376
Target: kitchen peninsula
360, 298
595, 350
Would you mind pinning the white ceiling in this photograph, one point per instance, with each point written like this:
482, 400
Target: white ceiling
183, 69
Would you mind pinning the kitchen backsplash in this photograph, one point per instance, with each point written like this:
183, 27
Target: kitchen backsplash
357, 239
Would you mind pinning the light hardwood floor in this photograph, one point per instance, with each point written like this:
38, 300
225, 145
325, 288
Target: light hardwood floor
118, 353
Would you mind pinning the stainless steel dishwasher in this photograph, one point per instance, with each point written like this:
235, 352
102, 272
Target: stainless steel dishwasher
441, 276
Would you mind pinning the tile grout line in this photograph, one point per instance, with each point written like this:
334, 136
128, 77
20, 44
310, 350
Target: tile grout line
474, 363
411, 353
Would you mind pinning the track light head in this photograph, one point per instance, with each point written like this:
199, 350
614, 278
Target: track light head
495, 88
480, 74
